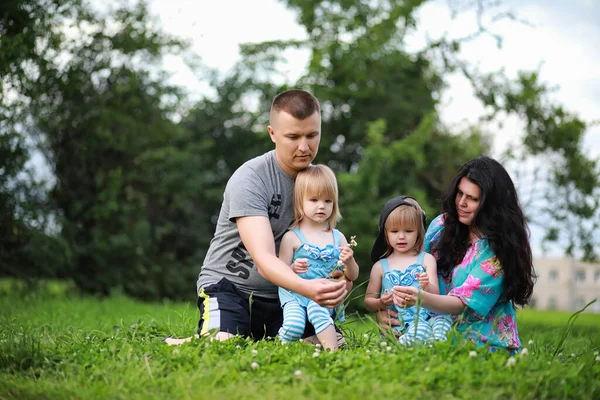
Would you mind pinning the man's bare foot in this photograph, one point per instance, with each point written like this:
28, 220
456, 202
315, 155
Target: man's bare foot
178, 342
221, 336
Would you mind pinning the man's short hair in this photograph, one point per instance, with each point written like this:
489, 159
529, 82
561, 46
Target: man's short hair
300, 104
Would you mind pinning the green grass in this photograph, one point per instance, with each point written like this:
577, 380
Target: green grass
55, 344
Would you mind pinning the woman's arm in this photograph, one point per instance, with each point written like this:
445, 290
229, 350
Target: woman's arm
406, 296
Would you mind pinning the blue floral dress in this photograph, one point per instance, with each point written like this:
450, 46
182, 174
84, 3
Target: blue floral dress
392, 277
321, 262
477, 281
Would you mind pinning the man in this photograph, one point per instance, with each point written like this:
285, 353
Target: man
237, 285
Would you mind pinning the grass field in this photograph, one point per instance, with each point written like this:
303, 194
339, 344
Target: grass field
56, 345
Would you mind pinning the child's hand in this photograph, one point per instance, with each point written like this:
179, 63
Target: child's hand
346, 254
300, 266
423, 280
386, 300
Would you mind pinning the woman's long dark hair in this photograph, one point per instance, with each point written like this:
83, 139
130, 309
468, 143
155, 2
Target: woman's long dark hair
499, 217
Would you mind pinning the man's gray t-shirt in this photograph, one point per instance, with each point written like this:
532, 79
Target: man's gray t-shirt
258, 188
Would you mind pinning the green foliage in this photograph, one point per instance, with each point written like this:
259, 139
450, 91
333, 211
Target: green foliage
56, 345
138, 173
419, 165
571, 183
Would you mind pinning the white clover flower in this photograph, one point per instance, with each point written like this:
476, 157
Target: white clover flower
315, 354
366, 336
175, 352
389, 348
383, 344
298, 372
368, 351
254, 352
238, 347
353, 241
548, 363
572, 354
472, 354
511, 362
318, 346
254, 365
597, 358
427, 369
339, 263
596, 352
524, 352
530, 342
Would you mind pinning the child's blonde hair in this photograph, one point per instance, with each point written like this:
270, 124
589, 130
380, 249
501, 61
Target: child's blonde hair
319, 181
407, 217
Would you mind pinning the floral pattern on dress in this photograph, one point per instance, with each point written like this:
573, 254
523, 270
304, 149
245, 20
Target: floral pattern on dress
478, 282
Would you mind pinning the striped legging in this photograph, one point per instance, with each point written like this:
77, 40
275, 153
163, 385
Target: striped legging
436, 328
294, 320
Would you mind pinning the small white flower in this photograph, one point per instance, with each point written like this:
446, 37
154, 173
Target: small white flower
315, 354
472, 354
560, 354
548, 363
298, 372
427, 369
368, 351
597, 358
318, 346
238, 347
339, 263
524, 352
389, 348
572, 354
366, 336
254, 365
511, 362
254, 352
596, 352
383, 344
175, 352
530, 342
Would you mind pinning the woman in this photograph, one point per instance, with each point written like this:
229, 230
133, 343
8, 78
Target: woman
483, 255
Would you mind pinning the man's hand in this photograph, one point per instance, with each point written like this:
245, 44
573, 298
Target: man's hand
300, 266
328, 293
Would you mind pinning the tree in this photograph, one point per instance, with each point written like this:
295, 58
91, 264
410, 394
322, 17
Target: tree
26, 249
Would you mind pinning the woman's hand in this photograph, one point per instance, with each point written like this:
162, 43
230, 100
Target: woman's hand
405, 296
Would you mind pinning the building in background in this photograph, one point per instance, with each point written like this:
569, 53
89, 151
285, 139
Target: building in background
565, 284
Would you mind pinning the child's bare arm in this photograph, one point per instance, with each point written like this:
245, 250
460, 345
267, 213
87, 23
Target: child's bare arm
287, 248
347, 257
373, 301
431, 270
